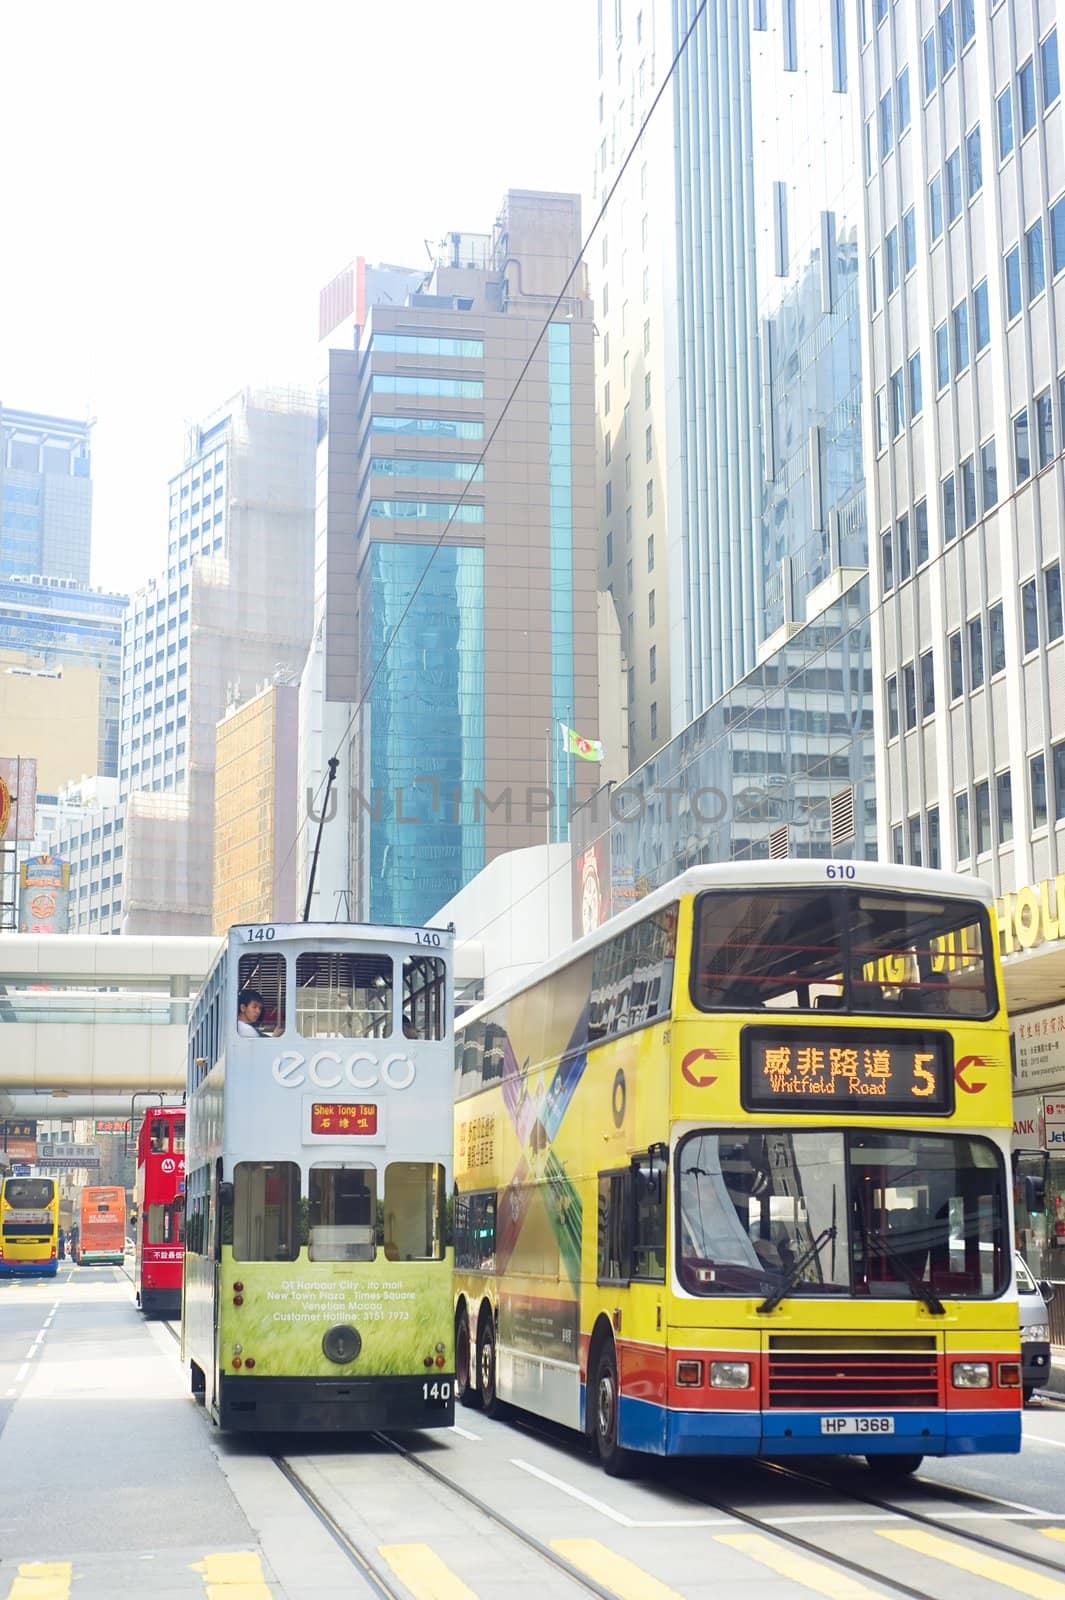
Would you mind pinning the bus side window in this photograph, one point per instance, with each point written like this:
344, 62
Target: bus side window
265, 973
649, 1217
614, 1264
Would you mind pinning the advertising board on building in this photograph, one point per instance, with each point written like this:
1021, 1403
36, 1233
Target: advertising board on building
44, 895
18, 1139
55, 1154
18, 798
1039, 1051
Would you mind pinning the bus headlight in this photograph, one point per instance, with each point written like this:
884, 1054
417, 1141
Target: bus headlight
971, 1375
342, 1344
730, 1374
1036, 1330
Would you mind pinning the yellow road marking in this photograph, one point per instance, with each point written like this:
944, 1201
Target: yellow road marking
801, 1569
979, 1564
1053, 1533
42, 1580
423, 1572
233, 1575
625, 1578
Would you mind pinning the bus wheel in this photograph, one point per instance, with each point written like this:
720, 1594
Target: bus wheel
890, 1468
491, 1404
618, 1462
464, 1390
199, 1383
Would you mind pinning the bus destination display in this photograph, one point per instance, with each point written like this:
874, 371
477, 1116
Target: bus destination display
814, 1069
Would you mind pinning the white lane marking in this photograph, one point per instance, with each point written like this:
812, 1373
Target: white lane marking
464, 1433
977, 1494
22, 1371
1037, 1438
619, 1516
955, 1516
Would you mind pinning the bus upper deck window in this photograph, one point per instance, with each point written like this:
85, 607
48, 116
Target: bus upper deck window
769, 950
343, 996
265, 974
424, 997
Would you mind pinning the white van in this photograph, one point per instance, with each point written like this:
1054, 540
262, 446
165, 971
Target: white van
1032, 1298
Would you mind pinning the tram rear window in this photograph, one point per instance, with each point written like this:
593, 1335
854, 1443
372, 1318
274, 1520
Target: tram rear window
842, 951
343, 996
29, 1194
342, 1214
266, 1211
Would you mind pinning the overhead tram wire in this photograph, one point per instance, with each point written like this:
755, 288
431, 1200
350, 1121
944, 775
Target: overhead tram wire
434, 549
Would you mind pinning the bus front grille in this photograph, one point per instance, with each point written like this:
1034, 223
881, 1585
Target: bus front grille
851, 1378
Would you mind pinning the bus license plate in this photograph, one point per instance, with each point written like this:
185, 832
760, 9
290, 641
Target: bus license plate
857, 1424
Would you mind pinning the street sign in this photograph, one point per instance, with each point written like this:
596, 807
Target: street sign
54, 1154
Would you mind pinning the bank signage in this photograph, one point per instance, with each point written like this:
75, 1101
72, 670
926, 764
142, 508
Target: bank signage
1039, 1050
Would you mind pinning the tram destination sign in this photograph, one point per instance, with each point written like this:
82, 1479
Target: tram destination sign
872, 1073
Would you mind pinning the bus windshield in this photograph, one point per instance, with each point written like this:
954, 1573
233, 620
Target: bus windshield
898, 1212
841, 950
29, 1194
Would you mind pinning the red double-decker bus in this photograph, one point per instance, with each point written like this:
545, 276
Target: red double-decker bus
160, 1201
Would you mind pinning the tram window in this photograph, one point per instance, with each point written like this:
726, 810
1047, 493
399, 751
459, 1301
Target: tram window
779, 950
159, 1135
342, 1213
177, 1135
424, 997
265, 973
343, 996
475, 1231
164, 1223
614, 1263
197, 1210
266, 1211
649, 1218
414, 1211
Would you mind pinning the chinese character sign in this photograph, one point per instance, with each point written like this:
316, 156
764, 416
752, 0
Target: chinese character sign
344, 1121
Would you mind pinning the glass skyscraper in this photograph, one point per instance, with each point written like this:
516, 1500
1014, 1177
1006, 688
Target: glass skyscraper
45, 496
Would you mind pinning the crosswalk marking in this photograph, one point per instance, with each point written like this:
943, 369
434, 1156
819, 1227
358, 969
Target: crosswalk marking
978, 1562
614, 1572
816, 1575
41, 1580
423, 1572
233, 1575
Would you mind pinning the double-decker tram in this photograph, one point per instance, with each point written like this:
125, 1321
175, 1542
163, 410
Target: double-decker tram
733, 1174
29, 1227
318, 1282
160, 1211
100, 1226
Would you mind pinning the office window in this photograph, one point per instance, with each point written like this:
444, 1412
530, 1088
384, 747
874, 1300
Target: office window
652, 660
1013, 283
968, 492
902, 101
966, 11
874, 281
1048, 57
928, 52
1004, 806
898, 854
898, 404
914, 828
981, 316
935, 207
650, 608
928, 686
1052, 595
982, 796
947, 46
880, 418
932, 824
628, 577
648, 444
942, 357
996, 635
1022, 453
1037, 785
974, 166
610, 549
976, 653
1005, 122
646, 390
870, 148
654, 719
1026, 96
650, 552
891, 262
608, 495
902, 530
1044, 428
950, 509
909, 695
909, 241
647, 337
961, 825
1057, 756
887, 561
1030, 616
1037, 272
1057, 236
650, 494
893, 706
954, 658
920, 531
886, 132
916, 395
952, 171
961, 336
988, 475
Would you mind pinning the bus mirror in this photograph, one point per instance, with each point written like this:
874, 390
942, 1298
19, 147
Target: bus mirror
1046, 1290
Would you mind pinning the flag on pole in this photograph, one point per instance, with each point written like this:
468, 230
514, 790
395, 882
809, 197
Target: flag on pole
574, 745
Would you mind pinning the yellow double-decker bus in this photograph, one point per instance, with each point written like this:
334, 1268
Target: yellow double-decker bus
29, 1227
732, 1174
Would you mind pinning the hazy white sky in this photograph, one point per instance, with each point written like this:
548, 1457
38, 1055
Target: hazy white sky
179, 180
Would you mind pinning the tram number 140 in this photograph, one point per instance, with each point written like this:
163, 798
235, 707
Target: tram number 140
436, 1393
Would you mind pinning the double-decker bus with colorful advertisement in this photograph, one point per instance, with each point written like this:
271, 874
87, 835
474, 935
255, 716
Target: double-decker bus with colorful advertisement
100, 1226
29, 1227
159, 1206
732, 1174
318, 1282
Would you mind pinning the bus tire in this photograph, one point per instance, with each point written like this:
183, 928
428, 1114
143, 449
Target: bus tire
464, 1389
889, 1469
491, 1404
198, 1382
603, 1411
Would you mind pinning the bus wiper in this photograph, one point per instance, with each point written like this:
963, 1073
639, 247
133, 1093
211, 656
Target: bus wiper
916, 1285
771, 1301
